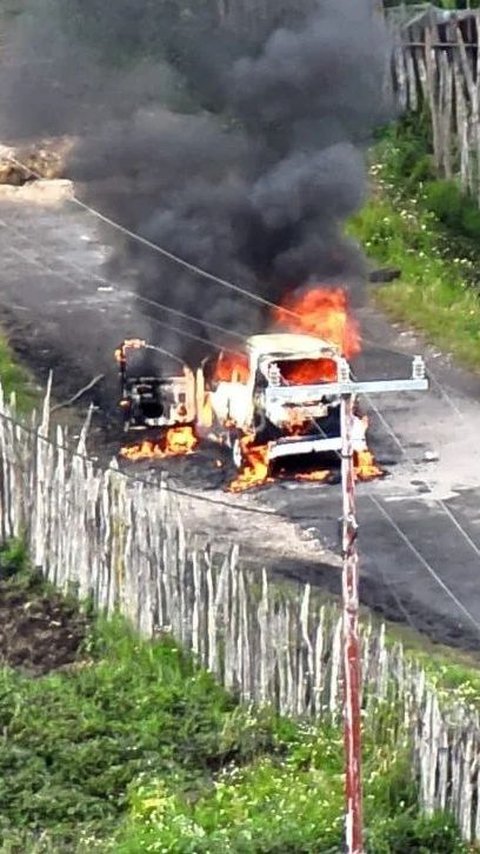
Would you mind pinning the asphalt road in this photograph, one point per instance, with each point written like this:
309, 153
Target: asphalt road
419, 533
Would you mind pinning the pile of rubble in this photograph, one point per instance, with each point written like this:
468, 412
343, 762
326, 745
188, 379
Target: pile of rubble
35, 171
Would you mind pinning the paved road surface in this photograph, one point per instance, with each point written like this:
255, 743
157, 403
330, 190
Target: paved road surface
419, 527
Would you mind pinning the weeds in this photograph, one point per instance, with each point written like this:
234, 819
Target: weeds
14, 377
136, 748
426, 229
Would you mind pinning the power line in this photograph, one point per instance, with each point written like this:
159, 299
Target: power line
201, 272
193, 268
208, 324
225, 283
414, 549
43, 266
426, 564
213, 501
147, 300
442, 391
408, 456
134, 478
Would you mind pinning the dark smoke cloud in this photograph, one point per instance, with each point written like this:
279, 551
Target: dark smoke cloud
241, 153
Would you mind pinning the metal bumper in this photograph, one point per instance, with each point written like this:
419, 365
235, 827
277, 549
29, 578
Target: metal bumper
294, 445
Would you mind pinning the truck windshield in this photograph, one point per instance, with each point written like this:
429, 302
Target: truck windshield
308, 371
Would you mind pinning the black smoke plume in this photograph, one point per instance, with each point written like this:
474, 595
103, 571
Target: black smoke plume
239, 147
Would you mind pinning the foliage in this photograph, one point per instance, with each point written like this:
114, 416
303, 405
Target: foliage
136, 748
15, 378
425, 230
290, 806
131, 708
405, 151
13, 558
453, 208
442, 4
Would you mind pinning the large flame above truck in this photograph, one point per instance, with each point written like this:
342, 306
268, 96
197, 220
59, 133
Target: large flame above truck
234, 395
262, 428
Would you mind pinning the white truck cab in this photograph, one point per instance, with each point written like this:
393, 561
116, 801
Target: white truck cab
291, 424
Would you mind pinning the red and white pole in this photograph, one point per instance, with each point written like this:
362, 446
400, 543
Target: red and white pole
351, 640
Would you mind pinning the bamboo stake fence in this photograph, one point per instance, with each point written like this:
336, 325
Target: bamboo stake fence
438, 66
125, 544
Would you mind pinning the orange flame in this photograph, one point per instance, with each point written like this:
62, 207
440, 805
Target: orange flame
128, 344
366, 467
255, 468
322, 312
308, 371
232, 367
177, 441
319, 476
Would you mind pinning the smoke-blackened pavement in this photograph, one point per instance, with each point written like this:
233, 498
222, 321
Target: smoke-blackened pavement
417, 554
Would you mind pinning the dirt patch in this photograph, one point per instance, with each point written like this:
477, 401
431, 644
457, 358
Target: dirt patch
41, 192
39, 630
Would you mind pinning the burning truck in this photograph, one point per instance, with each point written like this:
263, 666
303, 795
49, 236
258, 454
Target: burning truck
234, 398
264, 428
158, 405
296, 426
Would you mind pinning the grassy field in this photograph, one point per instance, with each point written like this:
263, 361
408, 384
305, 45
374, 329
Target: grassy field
133, 747
432, 235
14, 377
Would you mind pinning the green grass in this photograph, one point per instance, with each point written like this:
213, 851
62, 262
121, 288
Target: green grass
135, 748
14, 377
431, 233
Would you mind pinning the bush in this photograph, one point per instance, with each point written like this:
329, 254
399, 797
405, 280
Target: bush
415, 834
73, 742
405, 149
13, 558
136, 748
453, 208
290, 804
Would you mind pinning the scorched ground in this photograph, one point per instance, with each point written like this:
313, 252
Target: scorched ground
61, 317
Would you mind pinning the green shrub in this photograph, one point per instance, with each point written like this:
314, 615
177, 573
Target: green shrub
15, 378
74, 742
453, 208
415, 834
288, 804
136, 749
13, 558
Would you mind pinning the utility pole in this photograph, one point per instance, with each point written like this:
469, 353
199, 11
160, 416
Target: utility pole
347, 389
351, 640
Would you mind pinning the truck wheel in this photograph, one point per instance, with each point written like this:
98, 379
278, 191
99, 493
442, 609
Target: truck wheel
234, 438
237, 453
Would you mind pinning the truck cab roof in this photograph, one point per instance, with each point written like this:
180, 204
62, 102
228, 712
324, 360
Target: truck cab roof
286, 345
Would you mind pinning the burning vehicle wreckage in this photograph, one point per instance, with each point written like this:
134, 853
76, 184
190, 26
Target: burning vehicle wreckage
233, 399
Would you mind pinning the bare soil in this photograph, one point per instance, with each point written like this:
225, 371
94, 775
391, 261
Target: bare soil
39, 630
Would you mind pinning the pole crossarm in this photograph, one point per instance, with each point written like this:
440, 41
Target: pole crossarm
352, 674
307, 393
313, 393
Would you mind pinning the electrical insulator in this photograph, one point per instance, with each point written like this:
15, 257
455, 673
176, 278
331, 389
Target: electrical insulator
274, 376
343, 371
418, 368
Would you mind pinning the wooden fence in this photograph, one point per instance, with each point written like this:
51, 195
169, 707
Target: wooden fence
438, 65
125, 543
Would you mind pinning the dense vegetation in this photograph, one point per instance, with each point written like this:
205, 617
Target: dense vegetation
134, 748
443, 4
429, 230
14, 377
